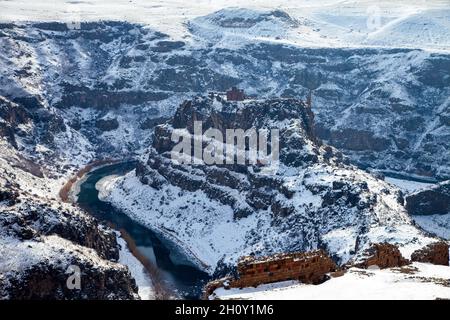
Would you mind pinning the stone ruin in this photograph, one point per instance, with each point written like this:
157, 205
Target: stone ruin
435, 253
385, 255
307, 267
315, 266
382, 255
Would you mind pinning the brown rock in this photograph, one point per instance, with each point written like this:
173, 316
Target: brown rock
307, 267
383, 255
435, 253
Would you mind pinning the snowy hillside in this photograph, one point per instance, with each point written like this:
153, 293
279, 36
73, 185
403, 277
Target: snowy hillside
219, 213
41, 237
116, 79
88, 80
330, 23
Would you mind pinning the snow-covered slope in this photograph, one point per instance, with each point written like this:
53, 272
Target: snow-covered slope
330, 23
220, 213
71, 92
438, 224
420, 281
41, 237
386, 108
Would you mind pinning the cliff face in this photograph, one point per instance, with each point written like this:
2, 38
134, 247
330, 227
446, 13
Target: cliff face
220, 182
42, 238
220, 212
432, 200
69, 96
44, 271
436, 253
39, 242
373, 104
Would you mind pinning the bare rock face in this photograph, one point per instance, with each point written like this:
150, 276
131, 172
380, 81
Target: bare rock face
43, 281
435, 253
435, 200
382, 255
40, 239
294, 144
315, 199
107, 125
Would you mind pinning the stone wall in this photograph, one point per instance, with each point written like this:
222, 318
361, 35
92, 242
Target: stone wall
383, 255
435, 253
307, 267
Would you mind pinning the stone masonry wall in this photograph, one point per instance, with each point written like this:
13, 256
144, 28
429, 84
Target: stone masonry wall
435, 253
309, 267
383, 255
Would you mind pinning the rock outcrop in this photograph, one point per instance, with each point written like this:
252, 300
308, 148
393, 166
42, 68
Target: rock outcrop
48, 278
434, 200
41, 239
435, 253
314, 199
219, 180
35, 238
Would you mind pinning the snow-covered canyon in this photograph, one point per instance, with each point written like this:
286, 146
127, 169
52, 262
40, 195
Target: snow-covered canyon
91, 80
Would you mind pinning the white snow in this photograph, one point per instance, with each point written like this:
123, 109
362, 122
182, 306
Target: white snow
419, 281
330, 23
408, 186
137, 270
19, 255
439, 224
206, 237
207, 232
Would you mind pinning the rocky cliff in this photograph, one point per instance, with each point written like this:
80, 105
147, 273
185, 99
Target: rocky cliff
41, 239
220, 212
430, 201
68, 96
41, 243
385, 108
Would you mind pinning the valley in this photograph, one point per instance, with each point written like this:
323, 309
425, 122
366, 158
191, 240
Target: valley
364, 123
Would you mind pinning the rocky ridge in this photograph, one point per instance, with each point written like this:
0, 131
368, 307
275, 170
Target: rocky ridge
315, 200
132, 73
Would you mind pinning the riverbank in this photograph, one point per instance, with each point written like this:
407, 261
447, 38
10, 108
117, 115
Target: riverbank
129, 255
192, 253
107, 183
171, 270
158, 291
146, 284
68, 188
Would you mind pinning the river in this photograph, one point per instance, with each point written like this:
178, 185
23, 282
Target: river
178, 275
